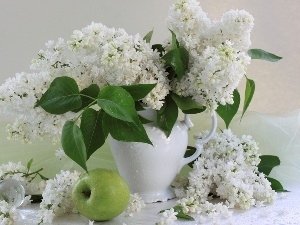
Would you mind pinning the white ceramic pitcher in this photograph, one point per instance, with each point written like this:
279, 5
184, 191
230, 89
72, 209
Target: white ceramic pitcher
149, 170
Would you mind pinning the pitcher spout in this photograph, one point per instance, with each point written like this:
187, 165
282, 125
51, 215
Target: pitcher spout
187, 122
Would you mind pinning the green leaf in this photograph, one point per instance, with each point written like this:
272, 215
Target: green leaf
118, 103
88, 95
175, 43
62, 96
167, 115
92, 130
276, 185
261, 54
178, 59
249, 92
148, 36
125, 131
73, 143
139, 91
29, 164
159, 48
267, 163
188, 105
180, 213
227, 112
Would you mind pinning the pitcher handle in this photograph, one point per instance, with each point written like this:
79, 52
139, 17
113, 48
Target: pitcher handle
199, 142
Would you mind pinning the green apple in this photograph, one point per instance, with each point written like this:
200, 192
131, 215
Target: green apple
100, 194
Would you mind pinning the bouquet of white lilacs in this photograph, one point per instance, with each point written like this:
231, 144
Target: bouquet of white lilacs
96, 55
218, 59
228, 168
198, 69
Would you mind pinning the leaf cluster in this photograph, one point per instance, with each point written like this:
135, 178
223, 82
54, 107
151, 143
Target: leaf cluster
176, 63
116, 115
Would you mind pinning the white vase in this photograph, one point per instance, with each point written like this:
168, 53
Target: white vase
149, 170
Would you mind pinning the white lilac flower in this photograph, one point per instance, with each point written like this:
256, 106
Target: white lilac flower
18, 172
227, 168
60, 153
236, 26
216, 48
12, 170
214, 75
8, 214
57, 197
190, 24
136, 203
94, 55
18, 97
169, 216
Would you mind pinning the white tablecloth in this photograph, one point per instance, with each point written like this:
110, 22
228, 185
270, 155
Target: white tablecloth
284, 211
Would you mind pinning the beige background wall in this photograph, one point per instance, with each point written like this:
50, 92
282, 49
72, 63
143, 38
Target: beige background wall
26, 25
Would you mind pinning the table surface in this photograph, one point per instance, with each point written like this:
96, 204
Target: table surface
284, 211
